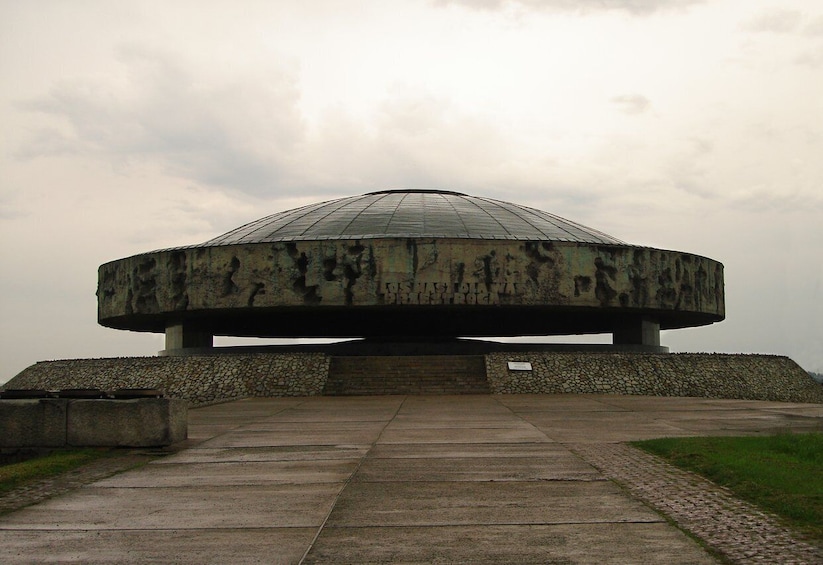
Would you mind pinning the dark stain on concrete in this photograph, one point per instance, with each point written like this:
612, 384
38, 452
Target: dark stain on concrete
256, 288
582, 284
461, 272
666, 295
106, 286
603, 289
541, 256
411, 245
352, 270
371, 263
144, 282
229, 286
329, 265
637, 271
308, 293
488, 271
129, 300
179, 275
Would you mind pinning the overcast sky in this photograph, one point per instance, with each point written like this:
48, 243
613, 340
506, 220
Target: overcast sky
679, 124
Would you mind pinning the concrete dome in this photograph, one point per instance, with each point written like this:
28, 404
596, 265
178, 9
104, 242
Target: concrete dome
414, 263
412, 213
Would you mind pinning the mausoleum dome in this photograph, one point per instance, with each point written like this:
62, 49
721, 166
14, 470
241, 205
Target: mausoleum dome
412, 263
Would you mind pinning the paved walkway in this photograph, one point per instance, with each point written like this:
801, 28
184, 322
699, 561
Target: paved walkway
38, 491
419, 479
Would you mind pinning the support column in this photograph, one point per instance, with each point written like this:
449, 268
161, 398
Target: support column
642, 331
180, 336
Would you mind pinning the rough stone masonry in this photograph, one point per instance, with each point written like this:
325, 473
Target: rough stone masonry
203, 379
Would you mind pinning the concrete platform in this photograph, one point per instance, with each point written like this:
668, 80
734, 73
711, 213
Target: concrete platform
480, 479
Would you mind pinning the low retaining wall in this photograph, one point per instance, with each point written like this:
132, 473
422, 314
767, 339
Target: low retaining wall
203, 379
200, 379
752, 377
60, 422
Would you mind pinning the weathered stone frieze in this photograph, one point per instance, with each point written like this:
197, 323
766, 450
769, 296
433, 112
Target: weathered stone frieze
445, 293
409, 273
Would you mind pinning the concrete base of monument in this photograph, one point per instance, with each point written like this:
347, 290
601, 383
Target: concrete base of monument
61, 422
514, 369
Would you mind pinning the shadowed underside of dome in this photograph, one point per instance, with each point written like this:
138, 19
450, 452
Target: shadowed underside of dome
412, 213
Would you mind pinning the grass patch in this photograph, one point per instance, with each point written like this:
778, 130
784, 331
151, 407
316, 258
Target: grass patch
782, 473
58, 461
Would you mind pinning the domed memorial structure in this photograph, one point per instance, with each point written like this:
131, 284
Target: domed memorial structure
410, 264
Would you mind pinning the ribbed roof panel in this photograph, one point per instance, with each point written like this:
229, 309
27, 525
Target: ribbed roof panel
412, 213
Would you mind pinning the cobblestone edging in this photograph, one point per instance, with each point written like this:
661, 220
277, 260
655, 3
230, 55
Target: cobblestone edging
200, 379
750, 377
737, 529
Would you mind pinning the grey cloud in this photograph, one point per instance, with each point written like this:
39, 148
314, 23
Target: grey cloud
702, 146
417, 140
631, 104
786, 21
775, 21
250, 136
812, 58
11, 207
814, 28
633, 7
694, 183
765, 198
424, 141
690, 169
237, 134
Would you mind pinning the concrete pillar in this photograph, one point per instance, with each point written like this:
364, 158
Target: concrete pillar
641, 331
179, 336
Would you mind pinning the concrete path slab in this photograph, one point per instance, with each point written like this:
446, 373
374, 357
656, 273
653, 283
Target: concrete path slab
330, 417
278, 546
562, 467
232, 473
266, 425
610, 427
423, 503
269, 437
603, 544
436, 423
160, 508
804, 410
462, 435
275, 453
419, 479
464, 450
523, 403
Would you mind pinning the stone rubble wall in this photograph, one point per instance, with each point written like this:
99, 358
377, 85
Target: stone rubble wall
199, 379
751, 377
204, 379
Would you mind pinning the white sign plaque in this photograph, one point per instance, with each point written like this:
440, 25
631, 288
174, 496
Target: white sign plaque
519, 366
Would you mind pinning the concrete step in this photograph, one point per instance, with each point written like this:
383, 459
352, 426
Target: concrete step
418, 374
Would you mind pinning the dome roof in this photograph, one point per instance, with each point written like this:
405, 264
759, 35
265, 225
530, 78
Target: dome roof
412, 213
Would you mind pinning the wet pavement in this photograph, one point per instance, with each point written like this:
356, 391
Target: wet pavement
417, 479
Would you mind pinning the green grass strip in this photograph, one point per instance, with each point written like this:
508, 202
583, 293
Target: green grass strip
60, 461
782, 473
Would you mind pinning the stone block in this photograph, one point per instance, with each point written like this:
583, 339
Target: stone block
145, 422
33, 423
